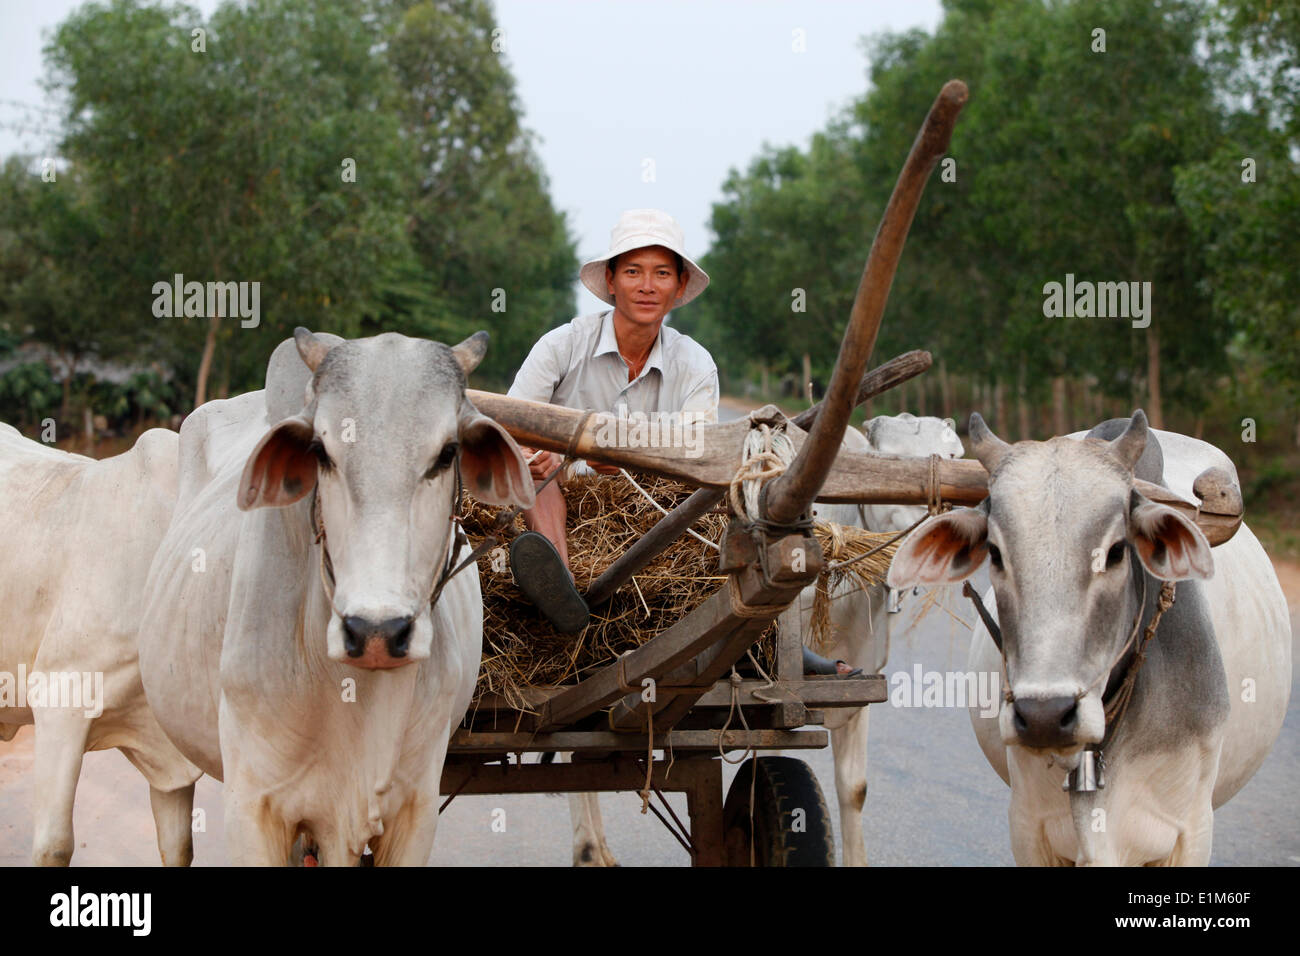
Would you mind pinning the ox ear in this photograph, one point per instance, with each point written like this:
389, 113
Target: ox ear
281, 469
1170, 546
491, 464
945, 548
470, 352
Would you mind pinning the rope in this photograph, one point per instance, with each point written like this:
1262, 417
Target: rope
741, 609
836, 565
644, 792
749, 751
933, 498
767, 453
1119, 703
734, 709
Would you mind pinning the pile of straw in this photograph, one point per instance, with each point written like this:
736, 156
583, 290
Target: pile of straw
606, 515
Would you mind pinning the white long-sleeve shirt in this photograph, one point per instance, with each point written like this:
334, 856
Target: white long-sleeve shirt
578, 365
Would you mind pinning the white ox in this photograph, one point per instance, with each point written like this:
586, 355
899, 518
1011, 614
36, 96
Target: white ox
318, 680
79, 535
1072, 548
860, 625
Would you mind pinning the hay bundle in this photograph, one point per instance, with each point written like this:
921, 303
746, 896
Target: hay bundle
864, 558
606, 515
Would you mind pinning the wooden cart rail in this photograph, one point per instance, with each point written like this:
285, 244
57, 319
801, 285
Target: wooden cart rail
853, 477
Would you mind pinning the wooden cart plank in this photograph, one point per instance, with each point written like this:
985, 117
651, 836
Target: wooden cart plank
708, 626
487, 742
817, 691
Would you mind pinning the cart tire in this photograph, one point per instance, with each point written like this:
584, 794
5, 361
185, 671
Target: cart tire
783, 836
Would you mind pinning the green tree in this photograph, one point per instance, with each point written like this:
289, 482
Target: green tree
226, 164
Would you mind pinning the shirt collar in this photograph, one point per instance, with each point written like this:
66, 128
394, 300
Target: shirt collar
608, 342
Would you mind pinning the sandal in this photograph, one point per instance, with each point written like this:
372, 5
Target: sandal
542, 576
816, 664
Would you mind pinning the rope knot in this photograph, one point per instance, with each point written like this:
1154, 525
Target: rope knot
767, 453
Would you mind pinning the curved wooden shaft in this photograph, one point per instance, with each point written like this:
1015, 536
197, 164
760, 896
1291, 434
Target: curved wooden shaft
791, 494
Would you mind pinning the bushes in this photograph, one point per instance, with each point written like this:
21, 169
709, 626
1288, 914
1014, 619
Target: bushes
28, 394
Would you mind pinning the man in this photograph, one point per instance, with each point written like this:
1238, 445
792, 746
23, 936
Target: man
623, 360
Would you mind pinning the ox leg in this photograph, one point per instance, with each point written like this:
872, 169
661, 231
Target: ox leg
408, 840
255, 835
60, 745
849, 747
173, 812
589, 847
332, 847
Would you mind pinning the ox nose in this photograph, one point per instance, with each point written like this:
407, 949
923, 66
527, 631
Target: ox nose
1046, 721
392, 635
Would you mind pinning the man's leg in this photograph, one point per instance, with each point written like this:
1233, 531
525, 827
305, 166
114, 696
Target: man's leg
548, 516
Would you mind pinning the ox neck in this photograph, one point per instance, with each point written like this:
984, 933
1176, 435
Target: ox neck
1145, 589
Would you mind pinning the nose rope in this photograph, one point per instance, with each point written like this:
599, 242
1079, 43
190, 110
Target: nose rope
1114, 708
457, 540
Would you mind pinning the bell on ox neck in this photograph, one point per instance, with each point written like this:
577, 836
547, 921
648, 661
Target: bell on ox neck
895, 604
1089, 776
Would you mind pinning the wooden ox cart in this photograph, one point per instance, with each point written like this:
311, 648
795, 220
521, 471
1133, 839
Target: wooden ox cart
699, 707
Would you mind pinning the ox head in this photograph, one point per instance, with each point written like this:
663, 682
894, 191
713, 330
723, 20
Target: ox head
385, 422
907, 436
1067, 539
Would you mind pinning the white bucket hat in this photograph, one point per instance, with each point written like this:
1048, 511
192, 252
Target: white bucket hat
636, 229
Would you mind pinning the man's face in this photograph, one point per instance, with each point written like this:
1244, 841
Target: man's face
645, 284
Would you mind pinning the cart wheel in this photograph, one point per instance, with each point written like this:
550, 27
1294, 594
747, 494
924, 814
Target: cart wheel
791, 824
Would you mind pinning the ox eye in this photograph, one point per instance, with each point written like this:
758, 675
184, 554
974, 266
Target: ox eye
444, 459
1115, 555
995, 556
322, 456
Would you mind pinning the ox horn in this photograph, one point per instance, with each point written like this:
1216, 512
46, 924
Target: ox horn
985, 445
470, 352
1129, 446
311, 348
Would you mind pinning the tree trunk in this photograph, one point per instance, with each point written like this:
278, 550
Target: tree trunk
1155, 413
807, 379
67, 395
1023, 432
1200, 426
945, 396
205, 363
764, 384
1058, 406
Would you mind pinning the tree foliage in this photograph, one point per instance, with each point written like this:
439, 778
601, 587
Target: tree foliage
363, 162
1069, 159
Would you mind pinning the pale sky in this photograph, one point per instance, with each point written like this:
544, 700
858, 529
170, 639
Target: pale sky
694, 87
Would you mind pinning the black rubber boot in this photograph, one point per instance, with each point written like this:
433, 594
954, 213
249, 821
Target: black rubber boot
544, 579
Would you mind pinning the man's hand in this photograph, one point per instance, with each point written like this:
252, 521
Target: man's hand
541, 463
602, 469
